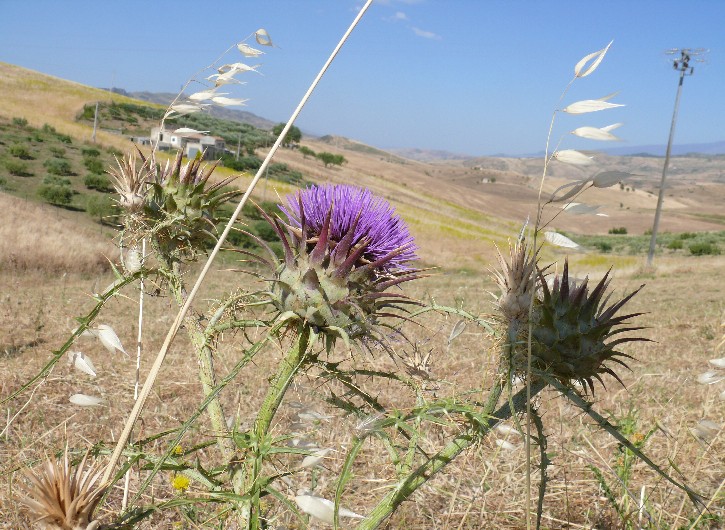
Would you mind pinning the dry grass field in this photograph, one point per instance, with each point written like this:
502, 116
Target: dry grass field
52, 260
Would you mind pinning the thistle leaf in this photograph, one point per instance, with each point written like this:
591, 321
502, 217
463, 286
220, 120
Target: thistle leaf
262, 37
228, 102
82, 362
570, 156
85, 401
248, 51
593, 133
606, 179
591, 105
322, 509
595, 57
560, 240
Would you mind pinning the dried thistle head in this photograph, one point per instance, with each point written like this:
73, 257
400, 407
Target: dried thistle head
517, 281
131, 180
63, 499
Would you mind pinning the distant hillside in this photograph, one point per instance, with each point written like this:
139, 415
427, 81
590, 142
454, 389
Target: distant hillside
428, 155
165, 98
341, 142
712, 148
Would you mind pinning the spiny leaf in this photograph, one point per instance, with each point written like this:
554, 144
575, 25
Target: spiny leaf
595, 57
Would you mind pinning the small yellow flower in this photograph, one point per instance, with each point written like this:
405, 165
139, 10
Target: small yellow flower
180, 482
638, 438
178, 450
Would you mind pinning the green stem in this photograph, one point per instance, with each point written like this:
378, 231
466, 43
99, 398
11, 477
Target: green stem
288, 369
445, 456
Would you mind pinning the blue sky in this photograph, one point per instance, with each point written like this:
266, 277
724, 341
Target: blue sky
468, 76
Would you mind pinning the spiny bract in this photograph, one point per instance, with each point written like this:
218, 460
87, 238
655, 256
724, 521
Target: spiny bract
343, 248
573, 332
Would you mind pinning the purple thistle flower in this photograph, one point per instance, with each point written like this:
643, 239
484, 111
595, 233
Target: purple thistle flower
377, 222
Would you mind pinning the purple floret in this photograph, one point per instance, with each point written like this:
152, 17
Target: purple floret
386, 230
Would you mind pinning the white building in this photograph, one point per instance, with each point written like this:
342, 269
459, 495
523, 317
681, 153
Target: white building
189, 143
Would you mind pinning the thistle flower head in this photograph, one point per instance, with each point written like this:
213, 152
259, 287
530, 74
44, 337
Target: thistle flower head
574, 331
63, 499
344, 248
355, 209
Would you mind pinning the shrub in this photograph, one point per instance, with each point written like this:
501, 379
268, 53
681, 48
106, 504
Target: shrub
3, 183
704, 248
20, 122
101, 206
306, 151
687, 235
245, 163
675, 244
52, 180
64, 138
17, 168
603, 246
94, 181
90, 152
20, 151
58, 152
620, 230
94, 165
49, 129
56, 166
58, 195
265, 231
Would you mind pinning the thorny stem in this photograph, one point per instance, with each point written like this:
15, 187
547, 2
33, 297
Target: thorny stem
288, 369
207, 376
445, 456
156, 367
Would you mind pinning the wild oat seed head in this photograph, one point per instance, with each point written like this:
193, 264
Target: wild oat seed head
63, 499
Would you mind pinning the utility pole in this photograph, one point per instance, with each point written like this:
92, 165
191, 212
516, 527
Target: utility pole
95, 124
682, 65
